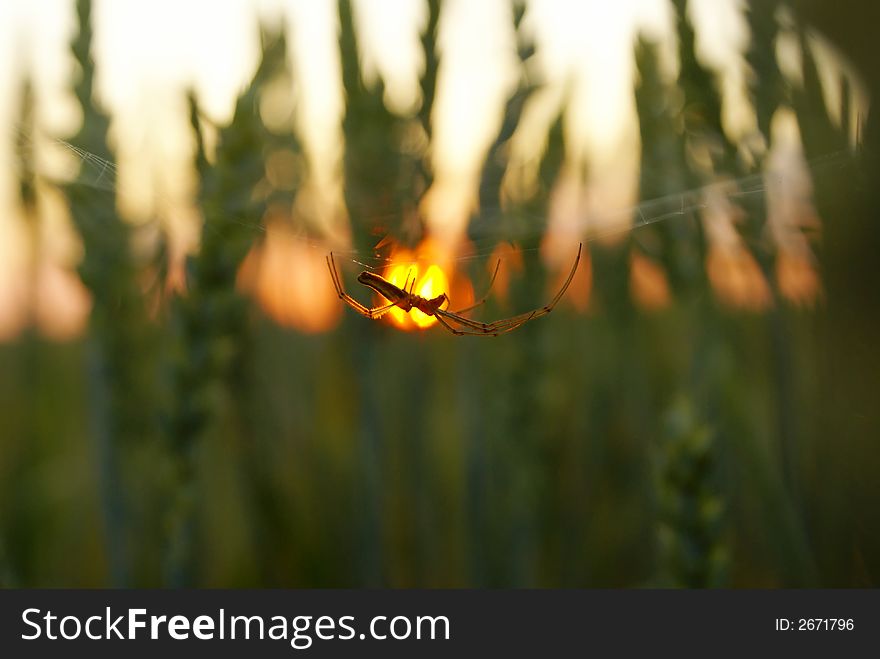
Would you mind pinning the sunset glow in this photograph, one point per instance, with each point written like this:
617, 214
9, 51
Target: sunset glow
427, 279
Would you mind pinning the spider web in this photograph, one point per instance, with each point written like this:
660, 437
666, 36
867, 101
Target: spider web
489, 226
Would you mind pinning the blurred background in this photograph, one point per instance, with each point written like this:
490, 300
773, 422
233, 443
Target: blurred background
186, 402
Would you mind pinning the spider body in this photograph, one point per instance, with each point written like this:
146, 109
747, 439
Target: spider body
399, 297
455, 321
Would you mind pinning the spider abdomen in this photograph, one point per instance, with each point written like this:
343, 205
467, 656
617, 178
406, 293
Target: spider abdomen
383, 287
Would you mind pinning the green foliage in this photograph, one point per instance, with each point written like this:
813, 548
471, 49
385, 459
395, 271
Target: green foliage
691, 511
212, 312
818, 130
121, 377
702, 106
766, 83
664, 171
496, 161
212, 317
27, 189
374, 167
428, 79
847, 198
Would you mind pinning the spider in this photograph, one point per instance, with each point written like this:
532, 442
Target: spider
454, 321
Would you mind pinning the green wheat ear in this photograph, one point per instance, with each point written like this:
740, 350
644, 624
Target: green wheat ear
691, 512
211, 320
121, 375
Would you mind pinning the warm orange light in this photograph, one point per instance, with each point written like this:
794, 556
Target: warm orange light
288, 277
737, 278
62, 303
508, 258
420, 271
650, 288
733, 271
557, 252
798, 278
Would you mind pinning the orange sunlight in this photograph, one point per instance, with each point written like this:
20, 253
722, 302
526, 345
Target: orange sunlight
648, 282
424, 270
288, 277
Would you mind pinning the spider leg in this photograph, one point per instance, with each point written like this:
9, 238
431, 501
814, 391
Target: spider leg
459, 332
515, 321
478, 328
447, 325
377, 312
485, 297
460, 320
471, 331
509, 324
506, 324
413, 284
373, 314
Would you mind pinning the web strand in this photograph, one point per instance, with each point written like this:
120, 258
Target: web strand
490, 226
